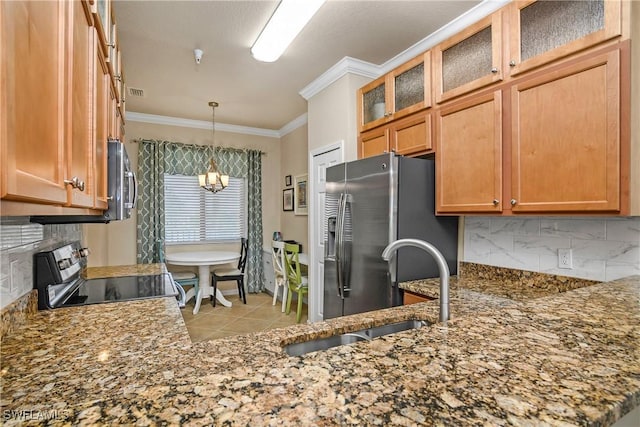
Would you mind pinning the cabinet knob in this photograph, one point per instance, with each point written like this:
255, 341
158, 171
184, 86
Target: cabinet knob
494, 70
387, 114
512, 63
75, 182
496, 202
513, 202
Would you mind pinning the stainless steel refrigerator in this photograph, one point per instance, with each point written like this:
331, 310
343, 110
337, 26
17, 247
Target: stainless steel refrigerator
370, 203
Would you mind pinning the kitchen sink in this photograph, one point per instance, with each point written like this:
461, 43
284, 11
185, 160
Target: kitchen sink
300, 348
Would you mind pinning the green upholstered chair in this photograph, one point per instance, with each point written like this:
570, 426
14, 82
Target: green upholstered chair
183, 278
296, 282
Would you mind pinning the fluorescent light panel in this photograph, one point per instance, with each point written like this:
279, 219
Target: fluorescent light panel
284, 25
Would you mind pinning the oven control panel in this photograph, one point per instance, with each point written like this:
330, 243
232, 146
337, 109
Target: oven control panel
56, 271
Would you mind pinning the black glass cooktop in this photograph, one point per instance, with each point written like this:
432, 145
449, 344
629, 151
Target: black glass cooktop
112, 289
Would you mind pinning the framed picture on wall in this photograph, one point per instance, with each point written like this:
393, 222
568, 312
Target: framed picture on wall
300, 187
287, 181
287, 199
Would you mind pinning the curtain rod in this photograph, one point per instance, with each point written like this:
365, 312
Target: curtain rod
137, 140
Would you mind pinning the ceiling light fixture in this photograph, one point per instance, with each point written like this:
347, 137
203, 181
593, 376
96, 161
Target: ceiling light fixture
284, 25
213, 180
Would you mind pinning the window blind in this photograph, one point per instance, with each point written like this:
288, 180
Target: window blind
194, 215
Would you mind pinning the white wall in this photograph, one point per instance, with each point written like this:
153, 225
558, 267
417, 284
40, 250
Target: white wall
294, 152
603, 248
332, 115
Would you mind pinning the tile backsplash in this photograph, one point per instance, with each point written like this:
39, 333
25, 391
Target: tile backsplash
20, 240
602, 248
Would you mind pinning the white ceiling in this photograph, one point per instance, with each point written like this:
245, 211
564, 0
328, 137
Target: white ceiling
157, 39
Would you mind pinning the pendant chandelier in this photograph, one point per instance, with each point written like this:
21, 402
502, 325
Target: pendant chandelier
213, 180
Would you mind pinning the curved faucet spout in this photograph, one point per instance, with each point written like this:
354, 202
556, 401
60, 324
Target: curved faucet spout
442, 267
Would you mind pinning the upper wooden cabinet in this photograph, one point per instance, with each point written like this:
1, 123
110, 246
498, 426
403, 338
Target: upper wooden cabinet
81, 89
566, 144
469, 60
398, 93
54, 116
410, 136
33, 122
101, 10
544, 31
555, 141
469, 155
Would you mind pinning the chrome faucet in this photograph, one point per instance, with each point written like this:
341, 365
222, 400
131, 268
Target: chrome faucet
442, 267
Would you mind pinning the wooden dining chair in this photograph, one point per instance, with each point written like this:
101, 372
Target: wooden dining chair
234, 274
183, 278
277, 254
296, 282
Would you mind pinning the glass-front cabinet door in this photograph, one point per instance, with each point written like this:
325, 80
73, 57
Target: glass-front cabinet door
469, 60
539, 32
101, 10
411, 86
398, 93
372, 104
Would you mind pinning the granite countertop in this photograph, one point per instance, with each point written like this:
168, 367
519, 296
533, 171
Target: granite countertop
563, 359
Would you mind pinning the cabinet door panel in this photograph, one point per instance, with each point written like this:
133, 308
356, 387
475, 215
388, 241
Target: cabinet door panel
412, 135
469, 156
373, 109
32, 143
103, 81
373, 143
566, 138
469, 60
81, 88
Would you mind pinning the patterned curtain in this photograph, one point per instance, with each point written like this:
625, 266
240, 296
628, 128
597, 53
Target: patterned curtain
155, 158
248, 164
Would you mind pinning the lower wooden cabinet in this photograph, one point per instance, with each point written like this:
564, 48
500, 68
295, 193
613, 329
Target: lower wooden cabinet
413, 298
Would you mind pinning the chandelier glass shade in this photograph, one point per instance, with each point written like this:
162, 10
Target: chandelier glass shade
213, 180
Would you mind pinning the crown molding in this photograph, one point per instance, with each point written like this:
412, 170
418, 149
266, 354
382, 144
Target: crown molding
367, 69
485, 8
294, 124
341, 68
201, 124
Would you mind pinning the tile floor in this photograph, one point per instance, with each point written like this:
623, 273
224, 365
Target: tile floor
257, 315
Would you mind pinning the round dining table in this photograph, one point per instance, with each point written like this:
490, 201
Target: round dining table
203, 260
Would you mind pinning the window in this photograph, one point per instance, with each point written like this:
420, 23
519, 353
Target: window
194, 215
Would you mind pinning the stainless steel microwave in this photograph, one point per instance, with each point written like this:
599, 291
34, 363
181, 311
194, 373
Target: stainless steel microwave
122, 191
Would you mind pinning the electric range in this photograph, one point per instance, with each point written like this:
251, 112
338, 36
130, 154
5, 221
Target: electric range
58, 279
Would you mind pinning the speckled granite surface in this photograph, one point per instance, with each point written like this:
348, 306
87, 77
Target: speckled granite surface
517, 285
565, 359
17, 313
124, 270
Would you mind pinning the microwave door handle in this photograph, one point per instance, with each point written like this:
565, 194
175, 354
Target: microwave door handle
133, 188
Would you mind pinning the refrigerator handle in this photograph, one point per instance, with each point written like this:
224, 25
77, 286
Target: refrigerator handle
345, 261
339, 231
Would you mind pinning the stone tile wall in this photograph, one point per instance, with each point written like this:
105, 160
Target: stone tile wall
20, 240
603, 248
